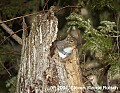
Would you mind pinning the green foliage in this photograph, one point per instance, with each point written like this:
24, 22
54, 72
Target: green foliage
95, 40
99, 40
108, 28
100, 4
78, 20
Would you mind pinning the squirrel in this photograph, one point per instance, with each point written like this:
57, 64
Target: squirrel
66, 46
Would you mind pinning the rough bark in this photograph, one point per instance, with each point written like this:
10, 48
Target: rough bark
41, 73
74, 72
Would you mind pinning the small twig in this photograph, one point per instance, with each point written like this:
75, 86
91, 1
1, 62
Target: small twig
45, 5
10, 36
38, 13
68, 7
21, 17
14, 52
118, 18
11, 32
12, 83
89, 82
5, 69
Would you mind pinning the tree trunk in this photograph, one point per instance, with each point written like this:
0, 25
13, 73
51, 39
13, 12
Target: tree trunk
41, 73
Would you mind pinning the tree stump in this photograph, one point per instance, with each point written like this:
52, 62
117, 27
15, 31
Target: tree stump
41, 73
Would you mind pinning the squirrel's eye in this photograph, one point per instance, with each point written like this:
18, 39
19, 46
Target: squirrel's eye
71, 41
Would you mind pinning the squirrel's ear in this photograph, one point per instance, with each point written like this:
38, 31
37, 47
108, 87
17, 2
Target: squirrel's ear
75, 33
